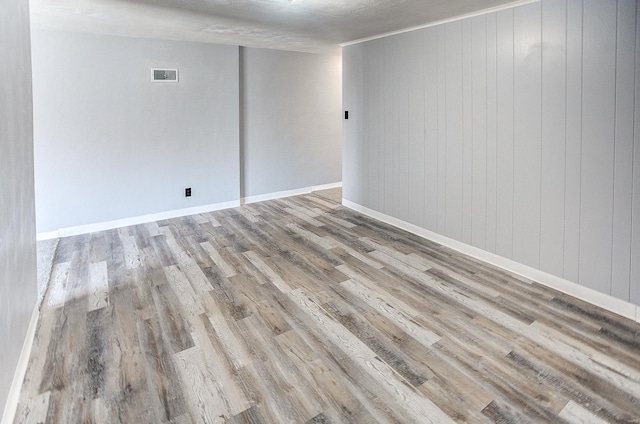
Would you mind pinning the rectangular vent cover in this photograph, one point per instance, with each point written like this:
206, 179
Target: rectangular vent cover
164, 75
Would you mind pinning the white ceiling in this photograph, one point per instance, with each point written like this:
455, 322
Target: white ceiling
301, 25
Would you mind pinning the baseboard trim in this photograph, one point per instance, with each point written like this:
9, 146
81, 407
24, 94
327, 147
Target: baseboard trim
604, 301
11, 405
288, 193
143, 219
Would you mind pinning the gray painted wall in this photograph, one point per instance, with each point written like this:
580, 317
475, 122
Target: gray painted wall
291, 128
516, 132
18, 292
110, 144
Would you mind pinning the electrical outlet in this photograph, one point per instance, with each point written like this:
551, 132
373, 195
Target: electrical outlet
187, 192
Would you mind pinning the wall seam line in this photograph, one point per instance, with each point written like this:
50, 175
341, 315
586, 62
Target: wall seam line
615, 133
633, 150
581, 132
513, 125
541, 187
564, 203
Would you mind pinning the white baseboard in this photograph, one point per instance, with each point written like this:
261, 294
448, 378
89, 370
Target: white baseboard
11, 405
288, 193
48, 235
143, 219
610, 303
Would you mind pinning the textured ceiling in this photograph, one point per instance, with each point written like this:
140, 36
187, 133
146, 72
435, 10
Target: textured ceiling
300, 25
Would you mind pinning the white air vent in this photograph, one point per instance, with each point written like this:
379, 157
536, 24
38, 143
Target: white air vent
164, 75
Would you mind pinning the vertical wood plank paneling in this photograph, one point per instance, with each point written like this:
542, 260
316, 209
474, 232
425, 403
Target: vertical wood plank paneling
416, 116
351, 90
358, 123
467, 130
516, 132
479, 197
368, 131
573, 140
598, 132
347, 87
406, 78
377, 153
374, 121
623, 166
394, 152
442, 129
504, 229
553, 136
431, 128
392, 187
390, 130
526, 139
367, 106
634, 290
454, 149
387, 142
377, 141
492, 134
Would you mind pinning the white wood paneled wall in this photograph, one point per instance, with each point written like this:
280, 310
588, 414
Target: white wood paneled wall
516, 132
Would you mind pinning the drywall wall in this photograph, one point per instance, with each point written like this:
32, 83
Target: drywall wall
110, 144
18, 292
291, 131
516, 132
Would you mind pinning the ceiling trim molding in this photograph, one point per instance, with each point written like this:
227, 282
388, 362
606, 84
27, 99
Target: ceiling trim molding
443, 21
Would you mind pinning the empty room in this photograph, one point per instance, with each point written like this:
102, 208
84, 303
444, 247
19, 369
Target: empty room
320, 211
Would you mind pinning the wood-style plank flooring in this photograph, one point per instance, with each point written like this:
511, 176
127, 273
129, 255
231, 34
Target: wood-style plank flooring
301, 311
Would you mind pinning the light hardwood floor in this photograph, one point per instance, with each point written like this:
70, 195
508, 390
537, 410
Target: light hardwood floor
299, 310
